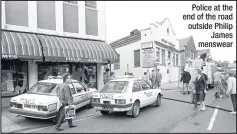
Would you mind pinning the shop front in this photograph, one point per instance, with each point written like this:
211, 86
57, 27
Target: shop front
28, 58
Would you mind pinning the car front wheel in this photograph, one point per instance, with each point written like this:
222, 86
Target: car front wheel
158, 101
135, 109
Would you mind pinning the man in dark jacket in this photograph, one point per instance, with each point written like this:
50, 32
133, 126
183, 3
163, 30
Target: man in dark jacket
65, 96
186, 77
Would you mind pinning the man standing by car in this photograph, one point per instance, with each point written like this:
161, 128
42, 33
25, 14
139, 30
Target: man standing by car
65, 96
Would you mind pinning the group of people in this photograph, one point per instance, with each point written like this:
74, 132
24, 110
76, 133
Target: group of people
224, 84
154, 79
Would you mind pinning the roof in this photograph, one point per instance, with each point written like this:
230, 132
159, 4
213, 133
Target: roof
202, 51
56, 81
184, 42
134, 36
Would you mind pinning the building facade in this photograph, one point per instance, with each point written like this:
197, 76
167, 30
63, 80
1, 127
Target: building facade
49, 38
187, 50
144, 49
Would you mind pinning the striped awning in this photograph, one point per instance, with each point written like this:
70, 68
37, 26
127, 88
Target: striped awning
76, 50
17, 45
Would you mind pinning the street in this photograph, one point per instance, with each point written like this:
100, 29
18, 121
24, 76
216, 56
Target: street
171, 117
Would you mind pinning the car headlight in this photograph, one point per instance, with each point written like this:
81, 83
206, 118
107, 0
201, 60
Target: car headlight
42, 108
52, 107
120, 101
96, 100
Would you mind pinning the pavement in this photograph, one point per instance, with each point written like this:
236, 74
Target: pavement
175, 115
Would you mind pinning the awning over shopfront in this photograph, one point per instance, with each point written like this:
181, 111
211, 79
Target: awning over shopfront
18, 45
62, 49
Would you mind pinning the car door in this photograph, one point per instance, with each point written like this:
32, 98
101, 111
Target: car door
138, 93
74, 94
82, 93
148, 92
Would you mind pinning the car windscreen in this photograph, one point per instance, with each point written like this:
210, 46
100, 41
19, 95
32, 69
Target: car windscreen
44, 88
114, 87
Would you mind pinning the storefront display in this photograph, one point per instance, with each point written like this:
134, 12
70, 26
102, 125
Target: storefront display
14, 77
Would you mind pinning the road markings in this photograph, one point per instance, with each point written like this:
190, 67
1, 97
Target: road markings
213, 119
87, 117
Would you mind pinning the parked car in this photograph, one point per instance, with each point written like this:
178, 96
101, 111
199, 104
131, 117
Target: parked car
126, 95
41, 100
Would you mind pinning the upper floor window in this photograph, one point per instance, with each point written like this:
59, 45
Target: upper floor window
158, 54
46, 15
70, 17
91, 4
168, 31
17, 13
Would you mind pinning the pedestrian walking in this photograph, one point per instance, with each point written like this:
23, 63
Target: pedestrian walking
65, 96
231, 89
146, 78
153, 79
200, 90
106, 76
218, 84
185, 78
158, 78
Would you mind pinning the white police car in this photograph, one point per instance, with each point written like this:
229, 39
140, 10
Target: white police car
127, 94
42, 102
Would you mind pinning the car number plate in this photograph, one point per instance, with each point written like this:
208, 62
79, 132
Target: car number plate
30, 106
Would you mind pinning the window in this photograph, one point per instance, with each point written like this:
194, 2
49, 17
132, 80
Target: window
137, 58
17, 13
91, 4
46, 16
168, 31
70, 17
169, 54
78, 87
14, 77
91, 18
158, 54
136, 87
177, 59
115, 87
144, 85
72, 89
44, 88
174, 59
117, 65
163, 56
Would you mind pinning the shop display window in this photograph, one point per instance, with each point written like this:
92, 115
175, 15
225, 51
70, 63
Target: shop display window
14, 77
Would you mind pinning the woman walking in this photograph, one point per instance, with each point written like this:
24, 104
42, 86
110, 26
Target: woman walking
200, 88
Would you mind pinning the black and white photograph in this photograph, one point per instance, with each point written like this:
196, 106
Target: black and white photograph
118, 66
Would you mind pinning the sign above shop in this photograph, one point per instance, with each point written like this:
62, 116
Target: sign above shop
167, 42
84, 60
148, 57
9, 57
147, 45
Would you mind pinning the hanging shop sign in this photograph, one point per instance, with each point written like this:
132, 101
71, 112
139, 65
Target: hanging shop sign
147, 45
148, 57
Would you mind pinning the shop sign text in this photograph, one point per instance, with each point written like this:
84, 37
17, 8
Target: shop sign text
167, 42
9, 57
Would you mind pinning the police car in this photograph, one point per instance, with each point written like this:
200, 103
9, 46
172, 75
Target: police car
126, 94
42, 102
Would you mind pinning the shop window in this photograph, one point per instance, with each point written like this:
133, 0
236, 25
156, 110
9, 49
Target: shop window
46, 15
117, 65
91, 18
137, 58
70, 17
14, 77
17, 13
163, 56
173, 59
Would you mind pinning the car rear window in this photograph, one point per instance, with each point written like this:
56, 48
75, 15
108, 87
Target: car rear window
114, 87
44, 88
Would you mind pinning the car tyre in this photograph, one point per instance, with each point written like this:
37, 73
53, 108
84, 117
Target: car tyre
135, 109
89, 106
158, 101
104, 112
